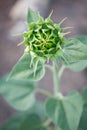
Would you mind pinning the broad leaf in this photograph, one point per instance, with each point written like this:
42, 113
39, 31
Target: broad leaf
83, 121
83, 39
65, 111
84, 94
32, 16
39, 109
24, 70
78, 66
24, 121
18, 93
74, 50
75, 54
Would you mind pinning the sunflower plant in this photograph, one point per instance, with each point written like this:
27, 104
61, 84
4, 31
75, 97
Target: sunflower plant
45, 41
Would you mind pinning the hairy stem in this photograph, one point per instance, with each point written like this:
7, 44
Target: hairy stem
61, 71
44, 92
55, 78
49, 67
57, 73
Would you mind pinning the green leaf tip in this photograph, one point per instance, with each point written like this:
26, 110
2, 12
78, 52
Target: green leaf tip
32, 16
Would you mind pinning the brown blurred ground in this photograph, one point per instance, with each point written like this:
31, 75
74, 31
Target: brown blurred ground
75, 10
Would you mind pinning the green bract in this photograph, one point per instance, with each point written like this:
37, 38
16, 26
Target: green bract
44, 38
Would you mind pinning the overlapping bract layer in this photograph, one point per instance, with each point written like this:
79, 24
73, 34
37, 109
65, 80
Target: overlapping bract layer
43, 38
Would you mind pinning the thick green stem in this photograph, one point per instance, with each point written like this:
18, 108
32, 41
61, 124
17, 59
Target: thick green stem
44, 92
55, 78
57, 73
61, 71
49, 67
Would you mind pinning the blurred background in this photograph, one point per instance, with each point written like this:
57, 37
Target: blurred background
12, 21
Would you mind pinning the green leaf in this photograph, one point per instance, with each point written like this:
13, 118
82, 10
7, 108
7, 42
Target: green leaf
65, 111
39, 109
32, 16
18, 93
82, 39
24, 70
74, 50
78, 66
28, 121
83, 121
75, 54
84, 94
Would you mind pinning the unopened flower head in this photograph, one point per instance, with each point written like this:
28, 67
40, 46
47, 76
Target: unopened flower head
44, 38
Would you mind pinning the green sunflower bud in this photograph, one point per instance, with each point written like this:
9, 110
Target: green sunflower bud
44, 38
